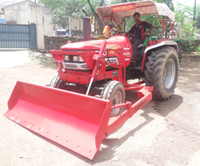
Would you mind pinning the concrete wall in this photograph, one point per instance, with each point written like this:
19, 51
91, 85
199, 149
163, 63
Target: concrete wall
76, 24
56, 42
48, 27
17, 13
36, 16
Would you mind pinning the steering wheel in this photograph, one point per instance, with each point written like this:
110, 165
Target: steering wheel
127, 34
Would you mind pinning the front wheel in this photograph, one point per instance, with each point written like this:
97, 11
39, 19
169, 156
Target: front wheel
115, 92
56, 82
162, 72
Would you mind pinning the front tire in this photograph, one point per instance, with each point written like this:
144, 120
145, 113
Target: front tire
115, 92
57, 83
162, 72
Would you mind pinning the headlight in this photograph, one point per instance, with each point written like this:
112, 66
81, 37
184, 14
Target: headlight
80, 59
66, 57
76, 58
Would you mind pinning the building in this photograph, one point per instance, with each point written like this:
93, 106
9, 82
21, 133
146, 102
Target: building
27, 12
2, 19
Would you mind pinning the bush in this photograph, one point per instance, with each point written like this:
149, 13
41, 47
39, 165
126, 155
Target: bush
189, 46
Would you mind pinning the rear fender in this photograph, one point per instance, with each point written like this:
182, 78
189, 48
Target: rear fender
150, 48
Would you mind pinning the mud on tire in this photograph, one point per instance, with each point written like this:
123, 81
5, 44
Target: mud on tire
162, 72
115, 92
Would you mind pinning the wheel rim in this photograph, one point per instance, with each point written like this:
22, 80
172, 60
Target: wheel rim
117, 99
169, 74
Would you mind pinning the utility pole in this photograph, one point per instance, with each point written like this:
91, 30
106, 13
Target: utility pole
194, 12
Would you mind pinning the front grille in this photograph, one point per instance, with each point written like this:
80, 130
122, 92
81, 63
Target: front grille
71, 66
75, 66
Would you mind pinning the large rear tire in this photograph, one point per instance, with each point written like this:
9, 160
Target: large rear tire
162, 72
115, 92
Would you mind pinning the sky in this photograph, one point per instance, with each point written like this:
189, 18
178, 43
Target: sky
188, 2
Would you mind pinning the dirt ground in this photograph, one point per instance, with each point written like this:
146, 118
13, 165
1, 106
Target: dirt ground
160, 134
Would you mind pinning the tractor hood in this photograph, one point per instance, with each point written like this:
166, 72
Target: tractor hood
115, 43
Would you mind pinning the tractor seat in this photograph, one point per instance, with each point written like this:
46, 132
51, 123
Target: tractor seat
141, 46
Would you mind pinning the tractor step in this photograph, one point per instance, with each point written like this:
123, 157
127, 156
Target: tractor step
136, 68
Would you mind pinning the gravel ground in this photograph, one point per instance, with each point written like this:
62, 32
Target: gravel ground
160, 134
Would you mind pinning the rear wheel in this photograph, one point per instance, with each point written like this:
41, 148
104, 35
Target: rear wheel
115, 92
162, 72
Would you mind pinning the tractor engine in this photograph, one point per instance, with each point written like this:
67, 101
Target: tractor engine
78, 59
118, 49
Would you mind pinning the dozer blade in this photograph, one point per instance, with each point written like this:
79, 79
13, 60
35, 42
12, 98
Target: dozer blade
72, 120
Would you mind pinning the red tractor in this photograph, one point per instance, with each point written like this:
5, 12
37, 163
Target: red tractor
87, 102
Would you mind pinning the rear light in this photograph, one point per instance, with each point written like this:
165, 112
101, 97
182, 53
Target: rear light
154, 42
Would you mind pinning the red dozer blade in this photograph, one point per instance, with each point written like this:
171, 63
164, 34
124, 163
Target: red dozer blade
72, 120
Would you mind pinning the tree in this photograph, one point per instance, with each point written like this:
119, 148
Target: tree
184, 15
97, 17
195, 3
197, 21
63, 9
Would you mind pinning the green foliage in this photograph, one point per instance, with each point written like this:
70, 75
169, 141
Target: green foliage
188, 31
198, 49
187, 46
63, 9
72, 39
197, 23
183, 12
184, 15
189, 49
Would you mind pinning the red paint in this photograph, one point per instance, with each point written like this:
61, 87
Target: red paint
117, 8
64, 117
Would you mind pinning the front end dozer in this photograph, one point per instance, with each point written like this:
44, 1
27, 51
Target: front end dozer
78, 121
73, 120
